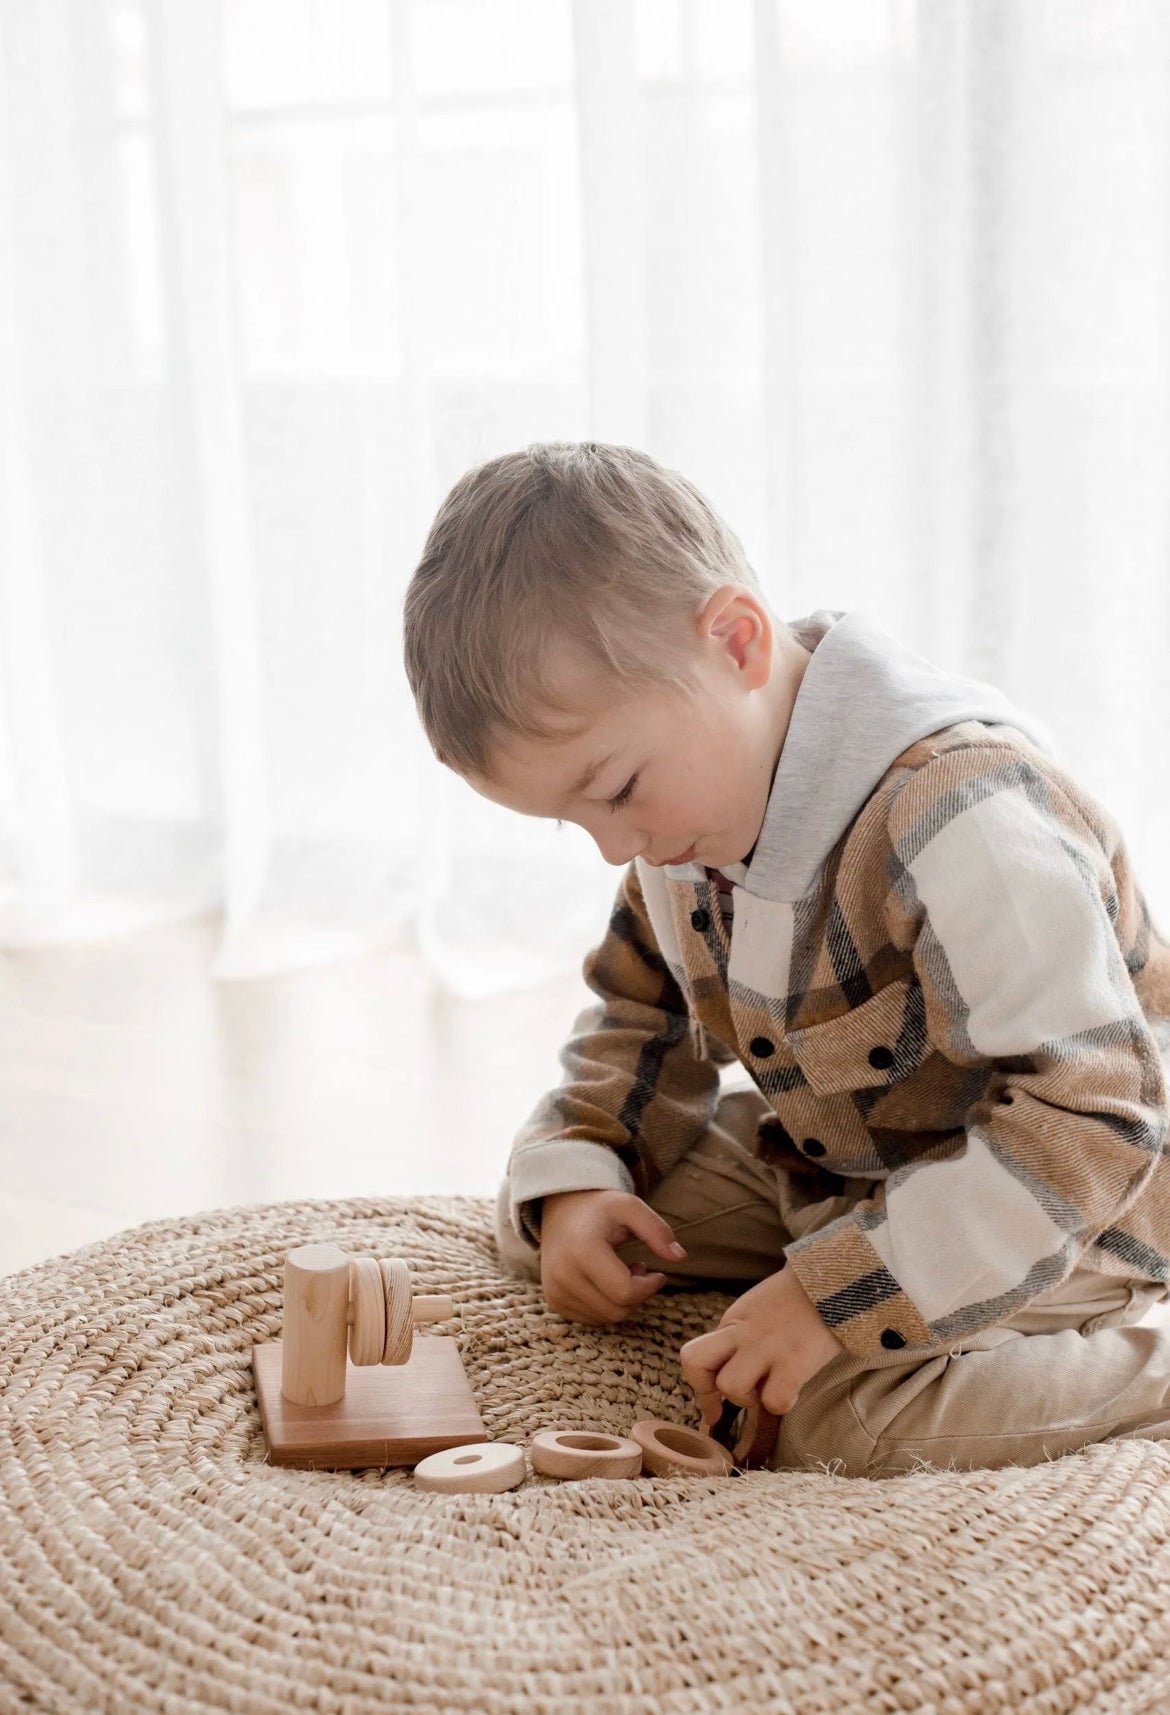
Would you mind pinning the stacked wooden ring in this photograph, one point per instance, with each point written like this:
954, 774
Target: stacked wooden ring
383, 1310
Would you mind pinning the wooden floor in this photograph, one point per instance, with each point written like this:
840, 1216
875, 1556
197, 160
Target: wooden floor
133, 1086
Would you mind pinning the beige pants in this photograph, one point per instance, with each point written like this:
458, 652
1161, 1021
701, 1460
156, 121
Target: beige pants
1068, 1370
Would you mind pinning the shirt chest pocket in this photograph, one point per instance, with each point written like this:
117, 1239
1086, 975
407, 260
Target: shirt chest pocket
876, 1043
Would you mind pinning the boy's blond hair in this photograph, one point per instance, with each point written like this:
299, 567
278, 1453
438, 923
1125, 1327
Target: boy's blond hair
598, 547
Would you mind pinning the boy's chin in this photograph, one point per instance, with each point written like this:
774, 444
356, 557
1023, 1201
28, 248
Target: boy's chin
724, 859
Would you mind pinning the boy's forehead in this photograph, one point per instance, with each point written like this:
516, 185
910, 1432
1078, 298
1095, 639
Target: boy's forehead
560, 763
551, 774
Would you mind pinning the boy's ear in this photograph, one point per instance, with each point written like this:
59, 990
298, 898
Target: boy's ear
736, 619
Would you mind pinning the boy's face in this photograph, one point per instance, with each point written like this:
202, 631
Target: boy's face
701, 772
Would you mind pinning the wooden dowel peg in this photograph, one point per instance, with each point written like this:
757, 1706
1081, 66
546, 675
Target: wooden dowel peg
432, 1308
424, 1308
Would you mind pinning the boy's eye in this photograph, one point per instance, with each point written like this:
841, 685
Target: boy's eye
624, 795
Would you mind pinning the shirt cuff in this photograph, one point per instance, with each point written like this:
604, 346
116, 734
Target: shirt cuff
563, 1164
853, 1290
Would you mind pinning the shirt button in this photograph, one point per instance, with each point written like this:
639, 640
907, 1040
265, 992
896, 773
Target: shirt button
881, 1058
813, 1146
761, 1047
892, 1339
700, 920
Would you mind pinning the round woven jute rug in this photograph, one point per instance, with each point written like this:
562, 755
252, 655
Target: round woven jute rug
152, 1559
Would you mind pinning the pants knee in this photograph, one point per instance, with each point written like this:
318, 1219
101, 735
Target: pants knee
516, 1256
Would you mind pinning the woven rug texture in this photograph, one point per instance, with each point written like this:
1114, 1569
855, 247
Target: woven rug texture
152, 1560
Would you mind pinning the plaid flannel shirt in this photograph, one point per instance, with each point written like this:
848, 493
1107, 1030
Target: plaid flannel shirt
967, 1004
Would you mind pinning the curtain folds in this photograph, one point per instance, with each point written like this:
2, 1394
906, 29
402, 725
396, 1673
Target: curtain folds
891, 283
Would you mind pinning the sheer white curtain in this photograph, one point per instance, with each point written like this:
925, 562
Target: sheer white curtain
891, 283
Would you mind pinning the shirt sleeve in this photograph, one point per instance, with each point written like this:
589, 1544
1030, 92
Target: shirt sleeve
635, 1096
1011, 901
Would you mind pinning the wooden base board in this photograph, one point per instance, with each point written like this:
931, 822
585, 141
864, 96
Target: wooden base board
392, 1414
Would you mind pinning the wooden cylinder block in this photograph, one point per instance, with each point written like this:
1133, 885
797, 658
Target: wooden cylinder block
316, 1324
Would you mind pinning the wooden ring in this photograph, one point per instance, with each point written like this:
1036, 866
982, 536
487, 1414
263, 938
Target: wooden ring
399, 1297
750, 1432
585, 1453
673, 1450
367, 1297
481, 1467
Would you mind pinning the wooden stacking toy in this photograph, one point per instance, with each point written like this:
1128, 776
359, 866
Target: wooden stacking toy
347, 1387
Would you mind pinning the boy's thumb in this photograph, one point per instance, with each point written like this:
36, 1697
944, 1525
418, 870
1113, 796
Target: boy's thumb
656, 1232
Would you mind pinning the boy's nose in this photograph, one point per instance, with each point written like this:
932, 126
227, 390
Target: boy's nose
615, 853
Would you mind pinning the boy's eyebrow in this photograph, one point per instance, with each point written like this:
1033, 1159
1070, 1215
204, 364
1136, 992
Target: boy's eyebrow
590, 774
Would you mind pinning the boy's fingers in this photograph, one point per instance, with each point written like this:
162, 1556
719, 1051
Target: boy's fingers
646, 1224
633, 1292
619, 1283
615, 1289
583, 1298
574, 1311
701, 1360
710, 1410
607, 1293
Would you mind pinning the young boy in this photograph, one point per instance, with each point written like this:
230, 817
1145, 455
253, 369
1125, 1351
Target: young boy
869, 882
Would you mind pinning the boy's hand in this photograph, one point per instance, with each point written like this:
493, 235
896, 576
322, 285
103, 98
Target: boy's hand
767, 1345
581, 1276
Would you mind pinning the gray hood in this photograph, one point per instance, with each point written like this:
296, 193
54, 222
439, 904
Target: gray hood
863, 700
